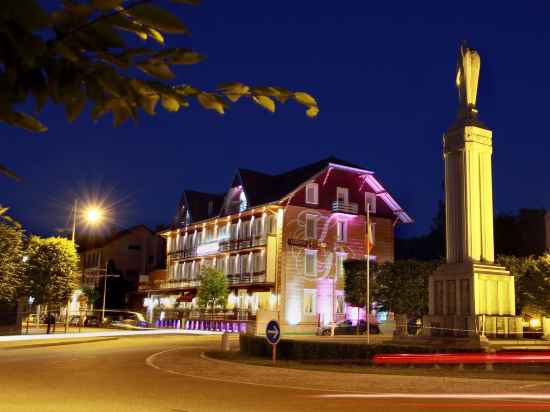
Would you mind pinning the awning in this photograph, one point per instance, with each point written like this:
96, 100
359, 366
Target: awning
187, 297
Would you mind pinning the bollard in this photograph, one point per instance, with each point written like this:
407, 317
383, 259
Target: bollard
225, 342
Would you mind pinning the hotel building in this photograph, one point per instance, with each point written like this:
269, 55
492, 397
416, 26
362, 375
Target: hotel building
281, 240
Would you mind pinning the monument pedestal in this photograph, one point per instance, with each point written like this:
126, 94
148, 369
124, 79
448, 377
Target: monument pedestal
472, 299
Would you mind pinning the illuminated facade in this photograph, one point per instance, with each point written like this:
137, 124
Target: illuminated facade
281, 240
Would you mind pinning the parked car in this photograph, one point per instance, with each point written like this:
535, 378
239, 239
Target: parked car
92, 320
347, 328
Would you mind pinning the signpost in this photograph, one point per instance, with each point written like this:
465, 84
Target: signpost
273, 335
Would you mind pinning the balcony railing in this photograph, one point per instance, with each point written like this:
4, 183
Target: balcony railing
246, 243
232, 279
345, 207
240, 278
182, 254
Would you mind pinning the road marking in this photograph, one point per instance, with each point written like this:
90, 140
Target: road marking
150, 362
335, 393
460, 396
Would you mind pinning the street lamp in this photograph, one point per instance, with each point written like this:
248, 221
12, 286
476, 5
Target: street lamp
92, 215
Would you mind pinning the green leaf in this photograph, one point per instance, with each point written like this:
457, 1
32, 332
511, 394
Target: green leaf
313, 111
266, 102
75, 107
305, 99
156, 68
180, 56
234, 91
11, 174
26, 13
149, 103
170, 103
158, 18
105, 5
211, 102
26, 122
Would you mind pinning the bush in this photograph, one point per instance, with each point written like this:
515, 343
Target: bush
315, 350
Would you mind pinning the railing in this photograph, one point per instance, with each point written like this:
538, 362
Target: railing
345, 207
240, 278
245, 243
182, 254
179, 283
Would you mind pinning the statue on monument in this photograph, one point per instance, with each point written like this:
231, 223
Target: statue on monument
467, 76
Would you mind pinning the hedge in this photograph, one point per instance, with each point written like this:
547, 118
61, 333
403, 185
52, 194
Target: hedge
301, 350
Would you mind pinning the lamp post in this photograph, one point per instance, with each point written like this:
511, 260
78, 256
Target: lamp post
92, 215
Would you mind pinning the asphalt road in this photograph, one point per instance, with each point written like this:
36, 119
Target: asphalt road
167, 373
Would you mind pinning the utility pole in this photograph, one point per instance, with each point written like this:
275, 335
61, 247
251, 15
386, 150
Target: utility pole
73, 237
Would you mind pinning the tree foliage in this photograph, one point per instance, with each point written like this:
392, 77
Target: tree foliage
532, 276
213, 289
355, 281
94, 50
11, 257
51, 270
402, 286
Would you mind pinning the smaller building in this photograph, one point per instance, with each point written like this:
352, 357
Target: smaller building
133, 254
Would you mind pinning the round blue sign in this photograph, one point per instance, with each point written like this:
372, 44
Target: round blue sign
273, 332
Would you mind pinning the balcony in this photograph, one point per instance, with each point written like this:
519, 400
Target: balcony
339, 206
246, 243
246, 278
182, 254
179, 283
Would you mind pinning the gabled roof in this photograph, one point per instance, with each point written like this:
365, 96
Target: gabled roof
262, 188
197, 204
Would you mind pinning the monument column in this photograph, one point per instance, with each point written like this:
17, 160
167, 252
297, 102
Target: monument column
469, 295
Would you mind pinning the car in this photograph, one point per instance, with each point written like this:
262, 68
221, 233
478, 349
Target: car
346, 327
92, 320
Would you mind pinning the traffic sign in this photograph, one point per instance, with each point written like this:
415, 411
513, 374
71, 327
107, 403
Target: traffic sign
273, 332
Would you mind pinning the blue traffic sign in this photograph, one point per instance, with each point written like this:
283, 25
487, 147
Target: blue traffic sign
273, 332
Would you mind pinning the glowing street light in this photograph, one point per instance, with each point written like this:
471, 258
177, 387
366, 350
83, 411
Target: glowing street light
93, 215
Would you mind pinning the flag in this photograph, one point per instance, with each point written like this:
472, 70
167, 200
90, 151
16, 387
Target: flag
370, 240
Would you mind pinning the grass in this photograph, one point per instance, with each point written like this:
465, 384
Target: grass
516, 372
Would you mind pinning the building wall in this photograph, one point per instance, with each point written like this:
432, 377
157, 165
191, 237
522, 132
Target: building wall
297, 284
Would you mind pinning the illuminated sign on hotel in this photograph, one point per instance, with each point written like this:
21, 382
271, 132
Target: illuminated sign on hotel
208, 248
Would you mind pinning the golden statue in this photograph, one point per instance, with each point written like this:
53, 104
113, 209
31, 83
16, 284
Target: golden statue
467, 76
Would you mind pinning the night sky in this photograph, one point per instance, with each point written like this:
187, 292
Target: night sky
382, 72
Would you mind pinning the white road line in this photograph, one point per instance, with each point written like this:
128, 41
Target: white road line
459, 396
150, 361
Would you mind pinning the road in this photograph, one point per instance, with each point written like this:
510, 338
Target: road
167, 373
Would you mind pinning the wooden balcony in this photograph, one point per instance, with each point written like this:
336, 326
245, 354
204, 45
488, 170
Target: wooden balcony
339, 206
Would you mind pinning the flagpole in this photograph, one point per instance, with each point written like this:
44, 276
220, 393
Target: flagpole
367, 313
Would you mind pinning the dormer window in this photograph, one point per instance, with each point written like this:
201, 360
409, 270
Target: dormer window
342, 195
312, 193
243, 203
370, 201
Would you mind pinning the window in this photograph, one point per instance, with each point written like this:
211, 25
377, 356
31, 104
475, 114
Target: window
258, 262
341, 231
309, 301
233, 232
370, 199
311, 227
257, 228
243, 204
312, 193
340, 304
342, 195
244, 260
222, 232
340, 258
310, 262
272, 224
245, 230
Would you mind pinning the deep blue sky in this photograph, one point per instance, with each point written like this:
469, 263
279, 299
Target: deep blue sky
383, 73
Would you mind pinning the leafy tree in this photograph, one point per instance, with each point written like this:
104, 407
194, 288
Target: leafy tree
52, 270
93, 50
402, 287
92, 294
213, 289
355, 283
532, 275
11, 257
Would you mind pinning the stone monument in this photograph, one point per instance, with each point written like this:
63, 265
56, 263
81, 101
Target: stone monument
470, 295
